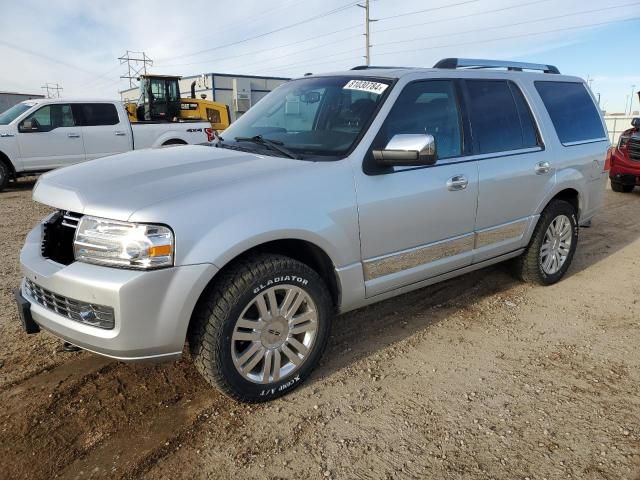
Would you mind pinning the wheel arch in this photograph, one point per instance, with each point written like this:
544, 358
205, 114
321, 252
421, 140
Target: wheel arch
302, 250
4, 158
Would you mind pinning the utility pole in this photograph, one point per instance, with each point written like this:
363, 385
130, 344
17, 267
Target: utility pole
52, 89
367, 34
633, 87
136, 65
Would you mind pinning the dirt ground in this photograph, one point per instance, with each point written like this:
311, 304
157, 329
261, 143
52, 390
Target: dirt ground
480, 377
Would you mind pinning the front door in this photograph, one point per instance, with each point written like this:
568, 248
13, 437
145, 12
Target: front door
51, 139
417, 223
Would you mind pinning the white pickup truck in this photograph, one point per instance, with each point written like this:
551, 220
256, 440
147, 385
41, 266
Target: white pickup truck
40, 135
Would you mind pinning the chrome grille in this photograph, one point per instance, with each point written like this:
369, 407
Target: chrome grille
88, 313
633, 147
71, 219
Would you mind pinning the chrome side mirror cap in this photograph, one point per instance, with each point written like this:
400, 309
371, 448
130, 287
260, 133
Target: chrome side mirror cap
408, 150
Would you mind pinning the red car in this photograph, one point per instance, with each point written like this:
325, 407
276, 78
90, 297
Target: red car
625, 160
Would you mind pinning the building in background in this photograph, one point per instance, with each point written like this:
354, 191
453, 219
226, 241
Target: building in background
9, 99
239, 92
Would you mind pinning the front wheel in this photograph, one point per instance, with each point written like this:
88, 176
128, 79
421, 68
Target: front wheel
261, 329
4, 175
552, 246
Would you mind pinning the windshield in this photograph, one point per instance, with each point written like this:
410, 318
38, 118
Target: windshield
311, 116
14, 112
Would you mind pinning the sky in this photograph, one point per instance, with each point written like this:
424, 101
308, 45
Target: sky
76, 43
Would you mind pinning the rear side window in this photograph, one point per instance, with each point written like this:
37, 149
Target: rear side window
95, 114
572, 111
500, 118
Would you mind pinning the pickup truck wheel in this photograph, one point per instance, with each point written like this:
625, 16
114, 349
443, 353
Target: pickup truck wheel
261, 329
552, 246
620, 187
4, 175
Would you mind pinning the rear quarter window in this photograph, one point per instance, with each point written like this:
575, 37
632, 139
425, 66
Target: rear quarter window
572, 111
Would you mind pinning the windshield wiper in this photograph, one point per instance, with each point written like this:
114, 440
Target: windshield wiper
272, 144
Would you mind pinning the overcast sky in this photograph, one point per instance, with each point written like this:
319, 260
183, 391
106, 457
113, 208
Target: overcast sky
76, 43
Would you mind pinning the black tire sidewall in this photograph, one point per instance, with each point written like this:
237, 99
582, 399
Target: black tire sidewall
4, 175
557, 209
300, 276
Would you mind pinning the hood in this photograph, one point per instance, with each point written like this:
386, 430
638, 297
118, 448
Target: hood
115, 187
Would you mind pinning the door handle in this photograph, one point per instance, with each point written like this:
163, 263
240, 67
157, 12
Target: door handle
5, 135
121, 134
542, 168
457, 182
73, 135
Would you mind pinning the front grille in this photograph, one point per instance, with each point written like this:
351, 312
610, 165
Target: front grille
88, 313
59, 232
633, 147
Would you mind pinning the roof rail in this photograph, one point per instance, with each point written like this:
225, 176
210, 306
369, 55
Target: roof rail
367, 67
479, 63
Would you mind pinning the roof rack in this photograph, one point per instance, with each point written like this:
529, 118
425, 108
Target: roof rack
367, 67
454, 63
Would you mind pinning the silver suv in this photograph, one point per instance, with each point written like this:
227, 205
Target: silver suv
333, 192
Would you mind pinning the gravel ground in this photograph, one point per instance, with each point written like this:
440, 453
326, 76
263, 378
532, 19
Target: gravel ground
479, 377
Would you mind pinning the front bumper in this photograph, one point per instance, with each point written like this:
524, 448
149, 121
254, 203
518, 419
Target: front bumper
623, 170
152, 308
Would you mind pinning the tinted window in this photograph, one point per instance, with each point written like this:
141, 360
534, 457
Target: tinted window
99, 114
572, 111
53, 116
428, 107
500, 118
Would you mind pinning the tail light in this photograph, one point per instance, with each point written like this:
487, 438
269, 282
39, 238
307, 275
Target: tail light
609, 160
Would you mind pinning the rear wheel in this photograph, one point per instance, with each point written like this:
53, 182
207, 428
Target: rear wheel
620, 187
4, 175
260, 331
552, 246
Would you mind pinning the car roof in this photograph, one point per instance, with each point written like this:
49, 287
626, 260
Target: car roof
70, 100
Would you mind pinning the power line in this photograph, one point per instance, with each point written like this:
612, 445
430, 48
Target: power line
254, 52
286, 27
459, 17
477, 30
432, 9
43, 56
509, 37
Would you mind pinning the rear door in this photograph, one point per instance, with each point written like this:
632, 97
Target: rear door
514, 169
104, 132
50, 137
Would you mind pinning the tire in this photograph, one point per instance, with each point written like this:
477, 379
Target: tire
532, 265
620, 187
221, 343
4, 175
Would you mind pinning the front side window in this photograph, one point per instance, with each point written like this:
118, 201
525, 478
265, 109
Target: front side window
53, 116
94, 114
426, 107
322, 116
500, 118
572, 111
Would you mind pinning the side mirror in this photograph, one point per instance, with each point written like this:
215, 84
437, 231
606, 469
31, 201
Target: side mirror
28, 126
635, 122
408, 150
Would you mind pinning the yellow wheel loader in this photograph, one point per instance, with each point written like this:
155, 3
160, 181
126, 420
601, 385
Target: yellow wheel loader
160, 101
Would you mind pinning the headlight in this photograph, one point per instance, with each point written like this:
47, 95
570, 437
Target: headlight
123, 244
623, 141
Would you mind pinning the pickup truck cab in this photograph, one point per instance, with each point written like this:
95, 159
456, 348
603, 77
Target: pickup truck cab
40, 135
625, 160
333, 192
